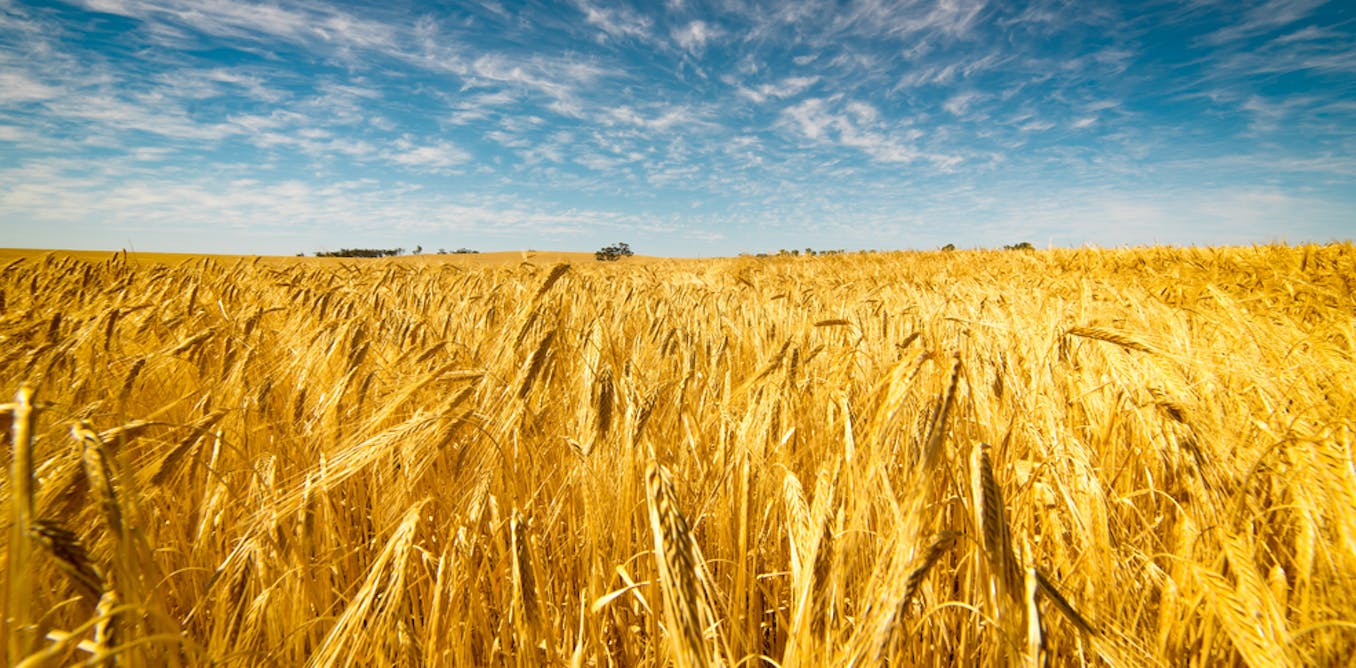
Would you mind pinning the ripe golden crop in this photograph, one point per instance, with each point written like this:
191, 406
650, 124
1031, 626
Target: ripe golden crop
1129, 457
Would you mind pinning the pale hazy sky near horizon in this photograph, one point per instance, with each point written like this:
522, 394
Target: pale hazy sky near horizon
683, 127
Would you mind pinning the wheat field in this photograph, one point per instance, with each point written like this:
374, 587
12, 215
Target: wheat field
1133, 457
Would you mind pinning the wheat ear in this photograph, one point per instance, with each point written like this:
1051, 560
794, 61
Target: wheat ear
679, 562
995, 540
529, 622
71, 556
1100, 334
99, 473
939, 546
932, 445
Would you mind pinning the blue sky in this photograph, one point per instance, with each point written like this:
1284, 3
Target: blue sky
682, 127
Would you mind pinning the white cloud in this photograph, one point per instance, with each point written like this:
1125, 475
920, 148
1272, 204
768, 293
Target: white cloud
1263, 18
18, 87
301, 23
507, 139
694, 36
13, 133
478, 107
1221, 215
314, 142
857, 126
559, 80
468, 115
1306, 34
1329, 56
112, 115
959, 104
953, 18
258, 123
810, 118
784, 88
201, 84
598, 162
1036, 126
863, 113
662, 122
496, 8
618, 23
119, 204
946, 72
440, 155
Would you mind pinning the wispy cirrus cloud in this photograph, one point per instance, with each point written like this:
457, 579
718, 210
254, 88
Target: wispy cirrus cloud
949, 18
663, 121
739, 121
300, 23
781, 89
440, 155
20, 88
1263, 17
113, 115
694, 36
619, 22
857, 125
203, 84
294, 210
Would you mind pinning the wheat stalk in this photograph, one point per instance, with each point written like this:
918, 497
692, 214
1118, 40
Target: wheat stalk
20, 635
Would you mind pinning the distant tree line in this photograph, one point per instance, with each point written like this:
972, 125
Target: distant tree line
611, 253
795, 252
387, 252
361, 252
1020, 246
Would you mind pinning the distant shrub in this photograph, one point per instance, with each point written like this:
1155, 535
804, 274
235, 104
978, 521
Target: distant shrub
1025, 245
613, 253
949, 247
